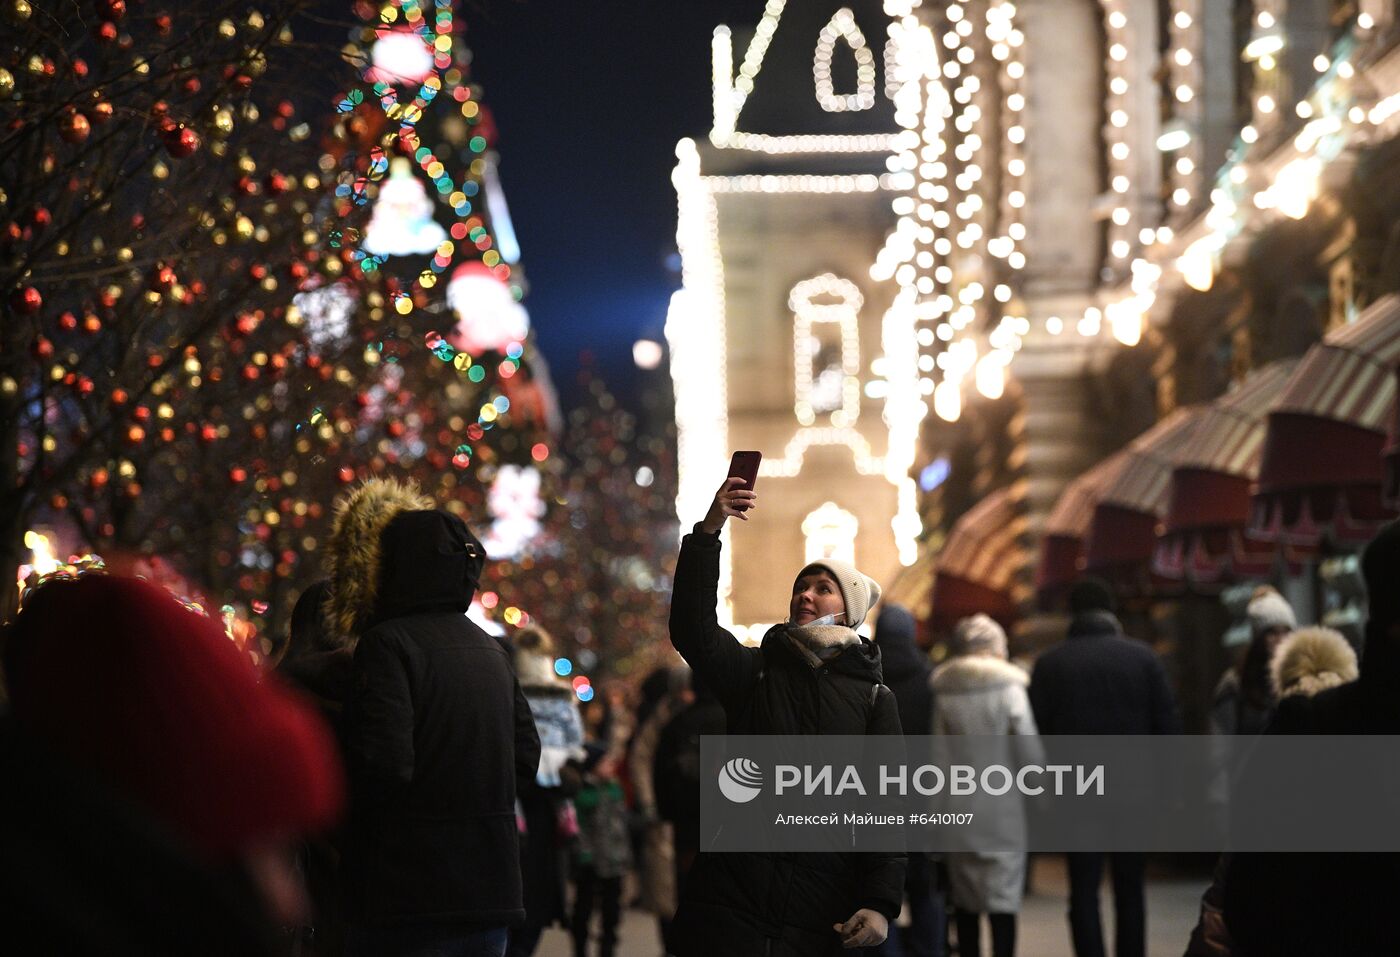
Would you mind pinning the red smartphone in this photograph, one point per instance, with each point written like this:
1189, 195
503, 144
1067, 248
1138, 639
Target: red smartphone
744, 465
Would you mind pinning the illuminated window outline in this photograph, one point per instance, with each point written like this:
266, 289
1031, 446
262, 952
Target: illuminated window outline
829, 531
806, 314
842, 26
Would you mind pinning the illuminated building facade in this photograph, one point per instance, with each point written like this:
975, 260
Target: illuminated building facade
1023, 231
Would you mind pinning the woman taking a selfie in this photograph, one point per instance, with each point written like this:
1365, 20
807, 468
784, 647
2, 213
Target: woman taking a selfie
812, 675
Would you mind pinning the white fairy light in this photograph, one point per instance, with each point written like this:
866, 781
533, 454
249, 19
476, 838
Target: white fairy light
842, 26
808, 312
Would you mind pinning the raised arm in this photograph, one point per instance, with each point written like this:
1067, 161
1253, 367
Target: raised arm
716, 655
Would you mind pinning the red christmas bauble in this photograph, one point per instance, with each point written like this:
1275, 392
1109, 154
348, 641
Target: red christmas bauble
181, 141
111, 9
162, 279
99, 113
74, 127
26, 301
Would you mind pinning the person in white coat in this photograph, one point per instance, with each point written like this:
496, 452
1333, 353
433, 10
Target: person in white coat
978, 692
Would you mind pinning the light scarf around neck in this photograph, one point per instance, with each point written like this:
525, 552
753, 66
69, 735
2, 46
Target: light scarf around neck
818, 644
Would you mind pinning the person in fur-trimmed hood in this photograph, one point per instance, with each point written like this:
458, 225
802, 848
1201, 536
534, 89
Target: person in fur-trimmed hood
977, 691
1312, 660
438, 732
808, 677
1296, 904
1308, 661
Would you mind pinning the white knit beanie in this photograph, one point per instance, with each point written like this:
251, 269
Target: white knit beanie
978, 634
1268, 610
859, 591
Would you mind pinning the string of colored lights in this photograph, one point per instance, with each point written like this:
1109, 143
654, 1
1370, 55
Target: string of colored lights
438, 36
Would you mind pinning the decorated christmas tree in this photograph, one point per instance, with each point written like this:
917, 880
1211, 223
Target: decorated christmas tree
163, 184
221, 303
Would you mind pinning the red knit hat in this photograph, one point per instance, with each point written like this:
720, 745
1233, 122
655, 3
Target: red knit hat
117, 675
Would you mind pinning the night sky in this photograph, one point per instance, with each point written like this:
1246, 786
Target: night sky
590, 97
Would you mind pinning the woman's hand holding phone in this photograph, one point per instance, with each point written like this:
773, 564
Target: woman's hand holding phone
730, 500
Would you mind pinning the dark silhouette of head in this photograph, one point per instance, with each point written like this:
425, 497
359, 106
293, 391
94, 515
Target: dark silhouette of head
1090, 595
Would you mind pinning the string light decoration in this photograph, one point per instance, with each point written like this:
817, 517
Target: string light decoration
1180, 140
830, 531
831, 143
954, 252
1125, 190
834, 389
695, 334
436, 150
1249, 191
842, 27
861, 183
789, 465
729, 93
695, 326
1266, 42
155, 418
405, 26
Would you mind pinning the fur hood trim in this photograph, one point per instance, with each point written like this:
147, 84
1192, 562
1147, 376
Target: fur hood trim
1312, 660
353, 552
967, 673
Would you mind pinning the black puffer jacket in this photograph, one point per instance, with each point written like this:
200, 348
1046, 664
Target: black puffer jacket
438, 734
776, 905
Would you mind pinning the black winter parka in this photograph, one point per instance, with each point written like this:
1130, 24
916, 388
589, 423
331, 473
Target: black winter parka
770, 904
438, 734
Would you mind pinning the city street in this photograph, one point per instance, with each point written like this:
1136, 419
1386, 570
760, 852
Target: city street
1042, 931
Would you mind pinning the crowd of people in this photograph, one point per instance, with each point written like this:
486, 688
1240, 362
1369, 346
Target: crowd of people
408, 784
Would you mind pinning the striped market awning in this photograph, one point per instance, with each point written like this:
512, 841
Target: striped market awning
979, 563
1321, 472
1062, 545
1208, 508
1123, 529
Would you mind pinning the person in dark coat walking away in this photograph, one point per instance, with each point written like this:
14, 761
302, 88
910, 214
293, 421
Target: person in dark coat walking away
603, 854
154, 781
1097, 681
321, 666
807, 677
907, 671
1291, 905
438, 733
676, 779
